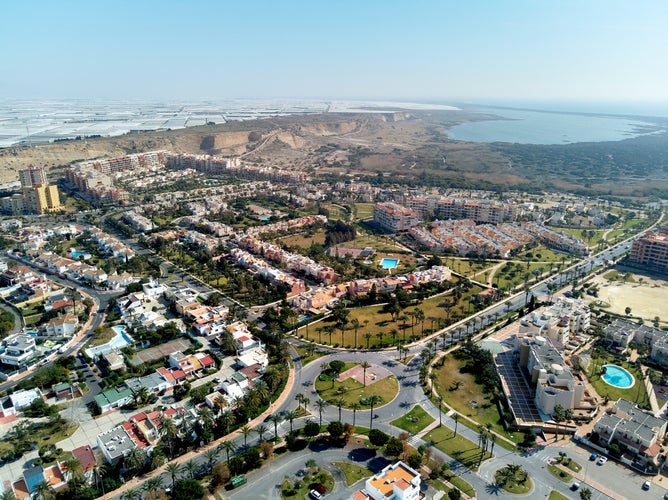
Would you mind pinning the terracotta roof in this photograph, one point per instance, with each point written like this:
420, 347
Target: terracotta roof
85, 455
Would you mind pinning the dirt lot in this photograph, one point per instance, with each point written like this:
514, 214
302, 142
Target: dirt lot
646, 296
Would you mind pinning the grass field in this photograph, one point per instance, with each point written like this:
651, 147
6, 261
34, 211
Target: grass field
458, 447
351, 391
468, 399
559, 473
380, 326
299, 488
364, 210
353, 472
304, 240
414, 421
102, 337
555, 495
636, 393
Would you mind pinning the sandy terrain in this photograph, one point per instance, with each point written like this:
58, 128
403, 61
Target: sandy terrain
647, 298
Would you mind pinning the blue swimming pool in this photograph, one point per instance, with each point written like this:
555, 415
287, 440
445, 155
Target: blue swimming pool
265, 217
389, 263
76, 255
617, 376
119, 341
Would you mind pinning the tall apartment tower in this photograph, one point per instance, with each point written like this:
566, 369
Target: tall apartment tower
32, 176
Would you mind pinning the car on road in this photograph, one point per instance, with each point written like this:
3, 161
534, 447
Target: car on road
575, 486
602, 460
646, 485
315, 495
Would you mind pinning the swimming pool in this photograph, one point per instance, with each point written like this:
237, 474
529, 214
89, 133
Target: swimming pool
389, 263
617, 376
118, 341
76, 255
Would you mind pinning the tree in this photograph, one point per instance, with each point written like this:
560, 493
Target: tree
354, 407
131, 494
246, 431
311, 429
454, 494
210, 456
260, 430
455, 417
365, 365
585, 494
355, 324
173, 469
378, 437
290, 416
339, 403
152, 484
335, 429
228, 447
190, 467
373, 400
276, 419
627, 310
321, 405
43, 491
188, 489
394, 447
73, 468
135, 460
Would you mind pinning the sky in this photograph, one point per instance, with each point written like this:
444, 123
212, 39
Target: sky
442, 50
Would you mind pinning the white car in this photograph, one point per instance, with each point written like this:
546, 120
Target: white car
602, 460
315, 495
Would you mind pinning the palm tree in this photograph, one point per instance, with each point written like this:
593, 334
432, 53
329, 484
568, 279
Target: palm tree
455, 417
321, 404
354, 407
300, 399
365, 365
355, 324
340, 403
190, 467
373, 400
228, 447
276, 419
131, 494
43, 491
246, 431
8, 495
99, 470
440, 402
419, 317
169, 435
380, 338
367, 336
290, 415
135, 459
210, 456
73, 468
260, 430
153, 484
227, 418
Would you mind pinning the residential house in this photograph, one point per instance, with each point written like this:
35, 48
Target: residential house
397, 481
62, 326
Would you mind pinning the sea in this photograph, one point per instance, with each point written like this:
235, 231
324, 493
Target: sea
561, 123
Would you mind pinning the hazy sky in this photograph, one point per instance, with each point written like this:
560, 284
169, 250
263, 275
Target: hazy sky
441, 49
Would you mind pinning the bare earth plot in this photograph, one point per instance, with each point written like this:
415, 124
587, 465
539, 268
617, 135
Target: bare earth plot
647, 299
159, 352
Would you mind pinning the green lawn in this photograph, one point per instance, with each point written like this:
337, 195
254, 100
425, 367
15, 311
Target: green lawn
458, 447
468, 399
570, 463
364, 210
515, 485
636, 393
414, 421
305, 356
379, 325
555, 495
460, 484
304, 240
353, 472
351, 391
102, 337
299, 488
559, 473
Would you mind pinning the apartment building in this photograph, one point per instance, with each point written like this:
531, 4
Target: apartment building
32, 176
651, 250
621, 333
393, 217
557, 322
19, 349
635, 430
550, 378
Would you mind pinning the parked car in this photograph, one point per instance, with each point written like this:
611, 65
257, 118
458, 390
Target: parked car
575, 486
602, 460
315, 495
593, 456
646, 485
321, 488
